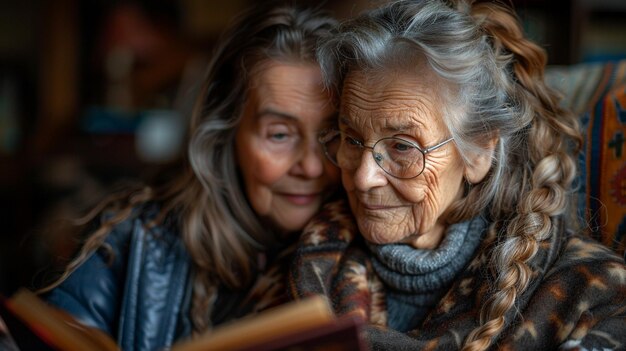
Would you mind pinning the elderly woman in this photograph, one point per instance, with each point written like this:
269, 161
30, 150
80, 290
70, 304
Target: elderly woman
458, 165
165, 263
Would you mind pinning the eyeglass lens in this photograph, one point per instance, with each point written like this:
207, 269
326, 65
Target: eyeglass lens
395, 156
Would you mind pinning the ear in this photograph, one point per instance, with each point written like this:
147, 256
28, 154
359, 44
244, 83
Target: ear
480, 163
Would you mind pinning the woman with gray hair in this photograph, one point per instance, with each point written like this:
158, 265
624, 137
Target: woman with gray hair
459, 227
169, 262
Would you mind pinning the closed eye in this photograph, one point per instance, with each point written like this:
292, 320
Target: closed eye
278, 136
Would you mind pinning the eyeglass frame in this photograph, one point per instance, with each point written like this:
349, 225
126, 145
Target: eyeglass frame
362, 146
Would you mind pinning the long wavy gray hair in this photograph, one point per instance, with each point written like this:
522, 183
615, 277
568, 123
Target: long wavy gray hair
497, 84
220, 230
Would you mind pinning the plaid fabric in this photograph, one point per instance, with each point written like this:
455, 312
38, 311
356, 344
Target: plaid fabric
597, 93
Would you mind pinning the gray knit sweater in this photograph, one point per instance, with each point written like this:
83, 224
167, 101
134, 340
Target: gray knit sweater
417, 279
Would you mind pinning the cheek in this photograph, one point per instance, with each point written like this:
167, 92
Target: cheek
427, 211
261, 163
419, 216
440, 187
412, 191
261, 171
428, 197
268, 170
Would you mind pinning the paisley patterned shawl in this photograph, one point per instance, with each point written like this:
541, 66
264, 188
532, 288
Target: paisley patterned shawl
577, 298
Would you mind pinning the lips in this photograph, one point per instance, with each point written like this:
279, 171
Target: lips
375, 207
372, 207
301, 199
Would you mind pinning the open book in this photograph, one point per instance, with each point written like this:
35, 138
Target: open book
303, 325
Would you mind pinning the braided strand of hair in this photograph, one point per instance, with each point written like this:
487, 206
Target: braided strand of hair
549, 171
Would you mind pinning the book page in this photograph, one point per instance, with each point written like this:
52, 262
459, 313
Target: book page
285, 320
55, 327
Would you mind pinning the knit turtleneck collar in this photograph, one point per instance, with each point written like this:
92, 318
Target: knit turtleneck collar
420, 271
417, 278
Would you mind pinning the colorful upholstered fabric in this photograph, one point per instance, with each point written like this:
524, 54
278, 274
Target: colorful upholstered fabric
597, 93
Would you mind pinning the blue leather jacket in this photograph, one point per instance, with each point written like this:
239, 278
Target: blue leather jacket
140, 293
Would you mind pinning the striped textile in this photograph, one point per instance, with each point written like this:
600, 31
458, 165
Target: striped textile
597, 93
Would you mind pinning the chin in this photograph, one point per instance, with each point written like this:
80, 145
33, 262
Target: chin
370, 234
379, 233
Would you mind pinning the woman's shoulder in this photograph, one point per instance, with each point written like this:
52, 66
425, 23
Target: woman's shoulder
94, 290
583, 293
145, 218
589, 260
582, 248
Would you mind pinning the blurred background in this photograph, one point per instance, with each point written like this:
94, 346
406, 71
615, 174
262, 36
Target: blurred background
97, 92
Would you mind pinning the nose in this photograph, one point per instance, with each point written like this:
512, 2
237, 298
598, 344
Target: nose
368, 174
311, 162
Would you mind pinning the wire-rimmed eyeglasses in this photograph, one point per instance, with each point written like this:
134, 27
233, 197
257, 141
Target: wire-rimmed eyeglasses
398, 157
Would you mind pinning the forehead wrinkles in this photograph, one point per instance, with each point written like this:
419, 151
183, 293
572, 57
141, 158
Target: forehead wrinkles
288, 88
296, 90
293, 97
396, 104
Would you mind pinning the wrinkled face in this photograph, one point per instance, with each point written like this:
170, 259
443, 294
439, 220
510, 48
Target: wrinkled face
285, 173
387, 209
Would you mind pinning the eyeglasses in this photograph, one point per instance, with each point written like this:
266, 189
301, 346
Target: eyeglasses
398, 157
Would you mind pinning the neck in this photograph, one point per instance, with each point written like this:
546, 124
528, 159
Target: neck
427, 241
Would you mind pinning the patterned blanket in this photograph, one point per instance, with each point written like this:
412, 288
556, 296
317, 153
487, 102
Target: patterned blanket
578, 301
